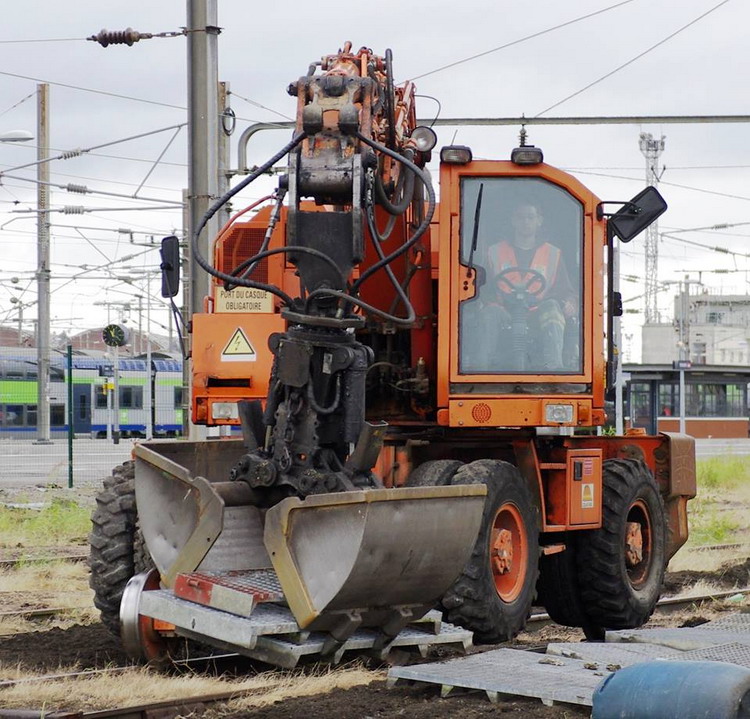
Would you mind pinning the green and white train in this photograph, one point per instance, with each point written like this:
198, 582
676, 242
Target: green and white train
92, 379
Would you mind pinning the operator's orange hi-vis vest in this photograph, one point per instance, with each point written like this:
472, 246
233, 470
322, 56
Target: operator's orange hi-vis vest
546, 261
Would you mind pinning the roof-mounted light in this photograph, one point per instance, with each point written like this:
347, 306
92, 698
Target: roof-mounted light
424, 138
527, 155
455, 155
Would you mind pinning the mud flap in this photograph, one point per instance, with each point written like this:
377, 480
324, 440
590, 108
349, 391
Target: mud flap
371, 558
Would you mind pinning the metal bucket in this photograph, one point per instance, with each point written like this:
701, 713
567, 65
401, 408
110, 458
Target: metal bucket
367, 558
190, 516
371, 557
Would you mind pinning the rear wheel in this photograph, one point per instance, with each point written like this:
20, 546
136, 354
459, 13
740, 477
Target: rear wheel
621, 566
434, 473
558, 590
494, 593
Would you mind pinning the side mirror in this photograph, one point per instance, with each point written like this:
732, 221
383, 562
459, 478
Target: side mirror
637, 214
170, 266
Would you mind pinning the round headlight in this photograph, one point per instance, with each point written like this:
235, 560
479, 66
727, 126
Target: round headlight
424, 138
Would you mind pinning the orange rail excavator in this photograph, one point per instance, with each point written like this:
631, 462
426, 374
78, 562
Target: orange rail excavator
419, 389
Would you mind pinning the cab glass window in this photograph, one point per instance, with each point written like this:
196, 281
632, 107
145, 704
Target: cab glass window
521, 241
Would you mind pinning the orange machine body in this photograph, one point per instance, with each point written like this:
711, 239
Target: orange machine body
436, 408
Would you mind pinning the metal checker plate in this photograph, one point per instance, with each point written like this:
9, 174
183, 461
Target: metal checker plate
263, 584
510, 671
411, 636
734, 653
240, 631
613, 652
685, 638
738, 622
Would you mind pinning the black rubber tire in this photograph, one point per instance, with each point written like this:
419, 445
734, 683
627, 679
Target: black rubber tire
473, 601
433, 473
558, 590
612, 596
116, 549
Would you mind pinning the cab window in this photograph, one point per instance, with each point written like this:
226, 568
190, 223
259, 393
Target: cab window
522, 240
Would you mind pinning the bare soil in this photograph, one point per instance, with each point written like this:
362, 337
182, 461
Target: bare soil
375, 701
92, 647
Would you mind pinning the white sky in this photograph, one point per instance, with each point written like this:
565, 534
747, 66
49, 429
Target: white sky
264, 46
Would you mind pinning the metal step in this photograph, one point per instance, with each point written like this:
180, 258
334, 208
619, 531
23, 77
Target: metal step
272, 635
237, 592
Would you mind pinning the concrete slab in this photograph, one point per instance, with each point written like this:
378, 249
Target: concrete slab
509, 672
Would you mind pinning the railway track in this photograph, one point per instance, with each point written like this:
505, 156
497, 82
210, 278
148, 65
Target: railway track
666, 605
25, 561
185, 706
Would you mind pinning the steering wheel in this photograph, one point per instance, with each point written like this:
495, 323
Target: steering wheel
532, 283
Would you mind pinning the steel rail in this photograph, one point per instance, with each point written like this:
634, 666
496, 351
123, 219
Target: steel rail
9, 563
665, 605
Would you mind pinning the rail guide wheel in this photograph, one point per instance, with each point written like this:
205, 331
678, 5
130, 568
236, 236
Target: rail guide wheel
140, 639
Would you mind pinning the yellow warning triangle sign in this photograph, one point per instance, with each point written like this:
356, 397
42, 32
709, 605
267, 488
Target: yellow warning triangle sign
239, 348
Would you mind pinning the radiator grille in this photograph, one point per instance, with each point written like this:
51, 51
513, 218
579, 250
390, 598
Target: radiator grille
242, 243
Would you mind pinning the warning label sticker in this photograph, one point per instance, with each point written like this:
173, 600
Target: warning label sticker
244, 299
239, 349
587, 496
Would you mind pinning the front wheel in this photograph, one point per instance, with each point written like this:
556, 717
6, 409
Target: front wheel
494, 593
621, 566
116, 548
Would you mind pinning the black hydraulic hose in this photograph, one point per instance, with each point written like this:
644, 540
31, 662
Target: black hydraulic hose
404, 186
223, 276
370, 309
424, 177
411, 314
314, 403
289, 248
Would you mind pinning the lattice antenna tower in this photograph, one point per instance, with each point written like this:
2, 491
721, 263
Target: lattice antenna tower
651, 150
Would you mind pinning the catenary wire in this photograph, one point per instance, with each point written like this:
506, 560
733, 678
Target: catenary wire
634, 59
520, 40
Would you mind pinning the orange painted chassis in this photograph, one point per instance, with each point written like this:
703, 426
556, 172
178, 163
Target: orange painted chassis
469, 421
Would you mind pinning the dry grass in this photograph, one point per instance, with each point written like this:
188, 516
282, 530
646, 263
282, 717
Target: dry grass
45, 586
692, 559
142, 685
295, 685
53, 584
23, 625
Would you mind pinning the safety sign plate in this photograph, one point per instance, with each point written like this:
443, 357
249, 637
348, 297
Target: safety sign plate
587, 496
239, 348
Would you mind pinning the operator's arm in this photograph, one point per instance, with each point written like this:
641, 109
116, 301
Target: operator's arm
563, 291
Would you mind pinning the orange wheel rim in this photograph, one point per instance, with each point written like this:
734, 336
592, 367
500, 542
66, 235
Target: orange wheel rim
638, 543
509, 549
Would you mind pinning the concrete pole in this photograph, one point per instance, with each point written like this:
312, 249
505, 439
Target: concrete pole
203, 130
223, 147
149, 398
43, 272
116, 397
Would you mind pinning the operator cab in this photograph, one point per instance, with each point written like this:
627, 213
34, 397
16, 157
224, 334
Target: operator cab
522, 337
